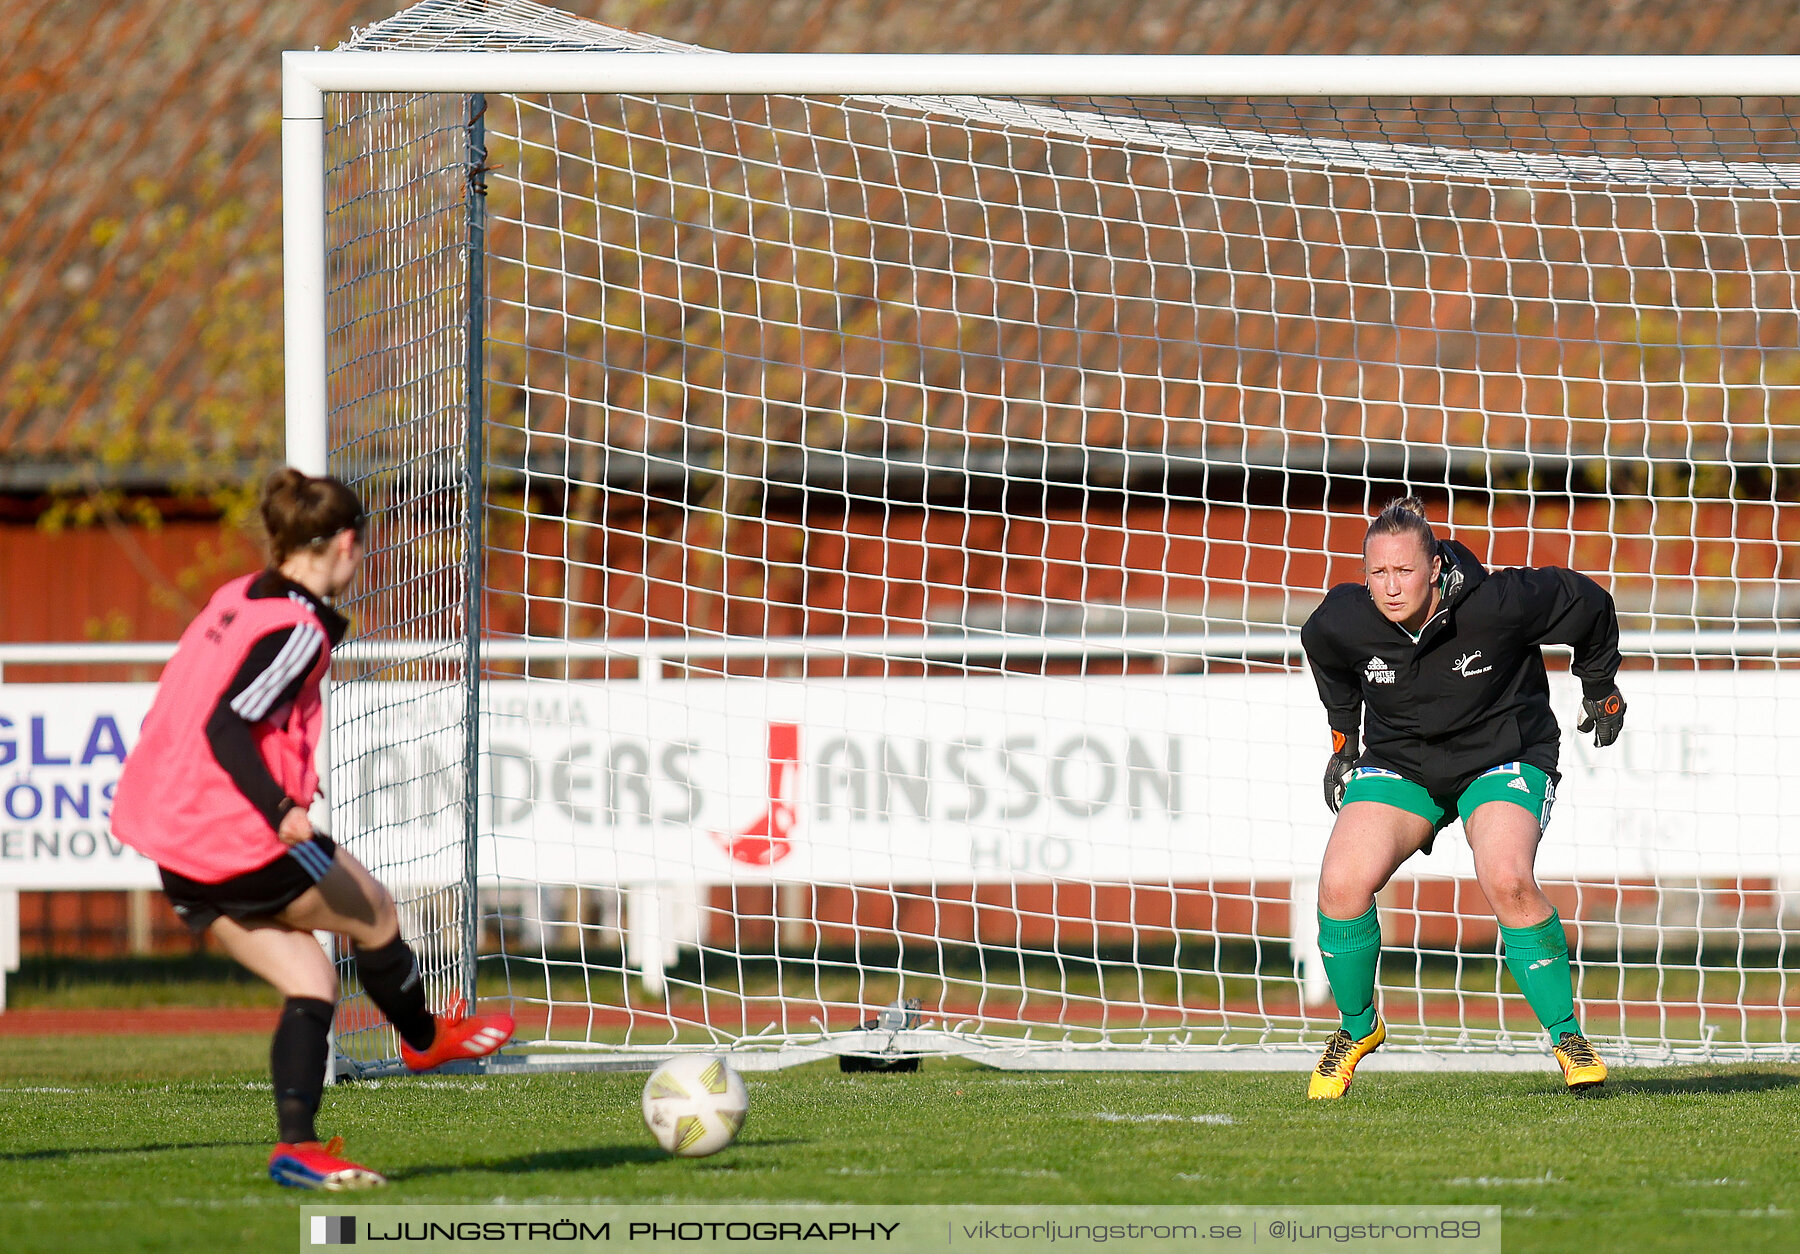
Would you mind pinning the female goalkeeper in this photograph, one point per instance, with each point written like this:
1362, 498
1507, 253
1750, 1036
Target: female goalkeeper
1435, 661
217, 791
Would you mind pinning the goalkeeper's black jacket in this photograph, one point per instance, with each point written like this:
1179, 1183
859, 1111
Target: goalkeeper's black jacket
1470, 693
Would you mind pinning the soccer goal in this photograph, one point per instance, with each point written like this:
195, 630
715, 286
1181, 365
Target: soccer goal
841, 526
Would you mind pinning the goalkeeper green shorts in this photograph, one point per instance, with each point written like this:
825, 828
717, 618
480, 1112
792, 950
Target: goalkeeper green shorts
1518, 782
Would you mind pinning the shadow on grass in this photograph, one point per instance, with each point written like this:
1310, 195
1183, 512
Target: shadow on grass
1704, 1082
82, 1151
593, 1158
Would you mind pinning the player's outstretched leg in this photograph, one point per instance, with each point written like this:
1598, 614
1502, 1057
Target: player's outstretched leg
390, 974
1351, 950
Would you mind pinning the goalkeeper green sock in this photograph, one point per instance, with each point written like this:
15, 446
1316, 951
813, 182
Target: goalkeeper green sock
1351, 949
1538, 957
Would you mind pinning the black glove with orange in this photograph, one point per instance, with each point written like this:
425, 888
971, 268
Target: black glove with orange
1604, 716
1344, 752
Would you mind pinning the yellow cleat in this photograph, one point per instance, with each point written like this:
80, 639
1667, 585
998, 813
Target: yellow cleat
1337, 1065
1581, 1066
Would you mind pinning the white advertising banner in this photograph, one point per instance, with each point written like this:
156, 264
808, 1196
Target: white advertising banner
904, 781
1157, 778
1160, 778
61, 748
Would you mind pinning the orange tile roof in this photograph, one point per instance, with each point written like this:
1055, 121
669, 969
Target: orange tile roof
140, 262
140, 304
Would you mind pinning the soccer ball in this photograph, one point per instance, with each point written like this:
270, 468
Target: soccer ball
694, 1105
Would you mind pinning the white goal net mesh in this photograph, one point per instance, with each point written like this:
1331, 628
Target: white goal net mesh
890, 519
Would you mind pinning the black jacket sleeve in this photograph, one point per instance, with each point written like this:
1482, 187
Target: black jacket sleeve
1340, 689
1558, 606
266, 684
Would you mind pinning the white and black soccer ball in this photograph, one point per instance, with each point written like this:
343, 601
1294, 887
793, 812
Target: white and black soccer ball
694, 1105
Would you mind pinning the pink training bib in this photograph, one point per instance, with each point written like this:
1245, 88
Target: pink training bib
175, 803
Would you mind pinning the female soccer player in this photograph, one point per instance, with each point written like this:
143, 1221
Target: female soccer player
1436, 662
217, 791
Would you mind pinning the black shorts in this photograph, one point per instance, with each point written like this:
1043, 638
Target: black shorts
258, 894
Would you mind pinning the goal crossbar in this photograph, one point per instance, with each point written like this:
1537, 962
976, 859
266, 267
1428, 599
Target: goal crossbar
306, 76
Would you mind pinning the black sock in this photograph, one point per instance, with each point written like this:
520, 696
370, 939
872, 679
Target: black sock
297, 1062
390, 975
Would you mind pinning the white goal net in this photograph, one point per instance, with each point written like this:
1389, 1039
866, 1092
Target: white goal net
839, 547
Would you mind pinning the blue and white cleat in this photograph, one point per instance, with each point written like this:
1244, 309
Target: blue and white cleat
316, 1165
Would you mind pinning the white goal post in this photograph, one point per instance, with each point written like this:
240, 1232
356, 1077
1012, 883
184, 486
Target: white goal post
840, 526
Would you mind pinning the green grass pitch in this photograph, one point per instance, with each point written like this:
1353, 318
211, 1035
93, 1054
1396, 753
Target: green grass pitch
150, 1144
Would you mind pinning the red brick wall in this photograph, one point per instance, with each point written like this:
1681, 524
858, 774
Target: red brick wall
874, 571
124, 582
101, 925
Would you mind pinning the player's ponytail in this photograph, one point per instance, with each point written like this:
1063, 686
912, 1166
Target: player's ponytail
301, 511
1404, 515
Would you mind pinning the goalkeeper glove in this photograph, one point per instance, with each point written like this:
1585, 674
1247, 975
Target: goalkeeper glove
1344, 753
1604, 717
